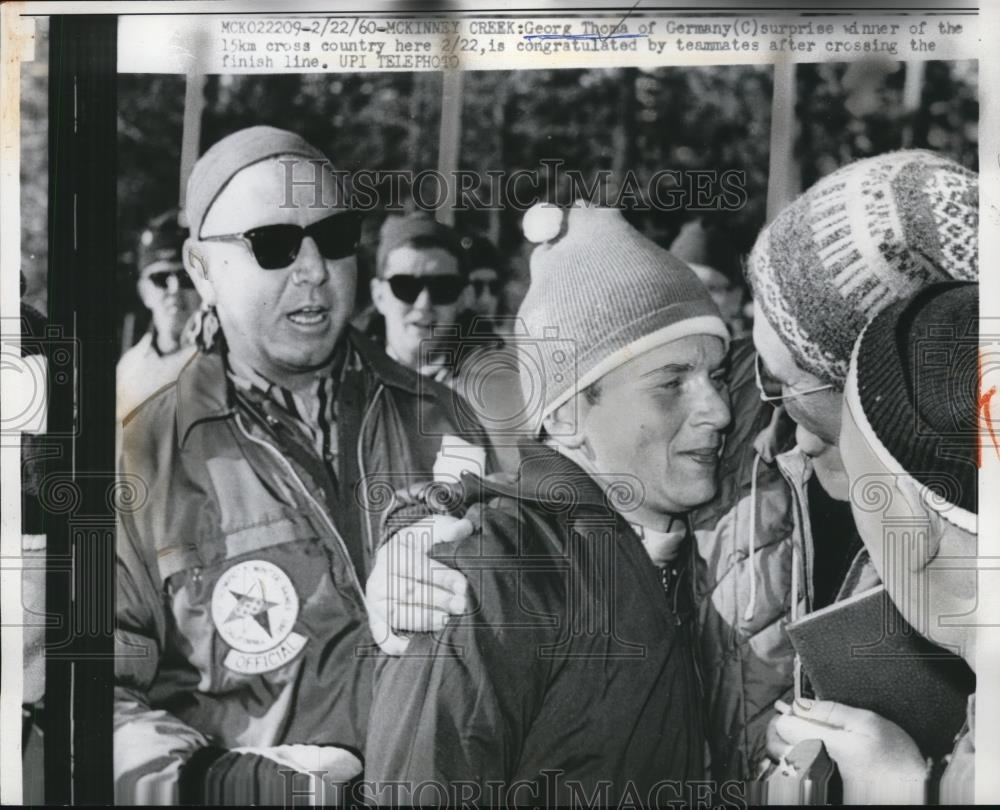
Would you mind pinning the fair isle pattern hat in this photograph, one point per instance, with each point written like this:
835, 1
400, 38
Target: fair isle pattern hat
913, 391
601, 293
869, 234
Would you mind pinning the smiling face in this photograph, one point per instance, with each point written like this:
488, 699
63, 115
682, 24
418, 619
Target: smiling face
659, 417
282, 323
407, 325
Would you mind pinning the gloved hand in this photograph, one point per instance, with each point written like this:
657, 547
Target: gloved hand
409, 591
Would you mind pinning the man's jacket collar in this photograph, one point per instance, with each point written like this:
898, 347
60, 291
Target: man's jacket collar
204, 391
547, 476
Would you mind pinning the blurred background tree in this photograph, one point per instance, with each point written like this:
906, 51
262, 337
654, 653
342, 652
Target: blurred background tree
34, 173
612, 120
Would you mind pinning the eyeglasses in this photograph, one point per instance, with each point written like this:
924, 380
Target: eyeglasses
275, 247
479, 285
771, 390
443, 289
161, 279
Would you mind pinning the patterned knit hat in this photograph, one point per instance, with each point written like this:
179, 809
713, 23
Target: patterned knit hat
601, 293
913, 391
861, 238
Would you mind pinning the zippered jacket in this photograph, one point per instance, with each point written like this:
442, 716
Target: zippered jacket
571, 678
240, 606
754, 574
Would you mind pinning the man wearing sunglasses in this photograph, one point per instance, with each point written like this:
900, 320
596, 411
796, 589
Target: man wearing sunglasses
168, 293
244, 641
574, 675
486, 276
419, 278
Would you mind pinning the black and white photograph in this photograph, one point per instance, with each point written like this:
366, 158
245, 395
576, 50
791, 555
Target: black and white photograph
459, 405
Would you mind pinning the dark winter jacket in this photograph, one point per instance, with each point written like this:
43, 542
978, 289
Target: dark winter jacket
572, 678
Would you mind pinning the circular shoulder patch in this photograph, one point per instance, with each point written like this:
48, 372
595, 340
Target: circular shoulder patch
254, 606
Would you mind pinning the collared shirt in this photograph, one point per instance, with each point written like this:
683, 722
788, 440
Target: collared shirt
313, 407
663, 548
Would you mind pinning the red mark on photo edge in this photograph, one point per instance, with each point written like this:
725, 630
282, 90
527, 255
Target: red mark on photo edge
985, 398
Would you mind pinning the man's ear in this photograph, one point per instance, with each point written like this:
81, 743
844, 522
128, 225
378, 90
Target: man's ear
565, 424
197, 269
920, 500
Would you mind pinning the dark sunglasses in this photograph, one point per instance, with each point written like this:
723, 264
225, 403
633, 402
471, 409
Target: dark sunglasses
442, 289
162, 277
494, 287
275, 247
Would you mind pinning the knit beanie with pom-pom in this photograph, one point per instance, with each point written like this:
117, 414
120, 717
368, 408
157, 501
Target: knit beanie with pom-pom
601, 294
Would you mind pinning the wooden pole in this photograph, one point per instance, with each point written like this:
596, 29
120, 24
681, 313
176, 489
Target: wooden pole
450, 141
913, 90
194, 106
784, 180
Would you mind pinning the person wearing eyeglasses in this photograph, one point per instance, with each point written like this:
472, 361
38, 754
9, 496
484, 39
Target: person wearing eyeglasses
258, 475
573, 672
779, 539
909, 430
419, 292
486, 277
168, 293
867, 236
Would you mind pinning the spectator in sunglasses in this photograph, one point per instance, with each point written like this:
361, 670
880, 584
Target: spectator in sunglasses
419, 279
576, 656
240, 607
779, 539
419, 297
167, 292
484, 295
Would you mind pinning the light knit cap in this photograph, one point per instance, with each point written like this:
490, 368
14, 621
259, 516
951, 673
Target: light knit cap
601, 294
869, 234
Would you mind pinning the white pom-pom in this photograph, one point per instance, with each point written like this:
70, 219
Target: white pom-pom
542, 222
